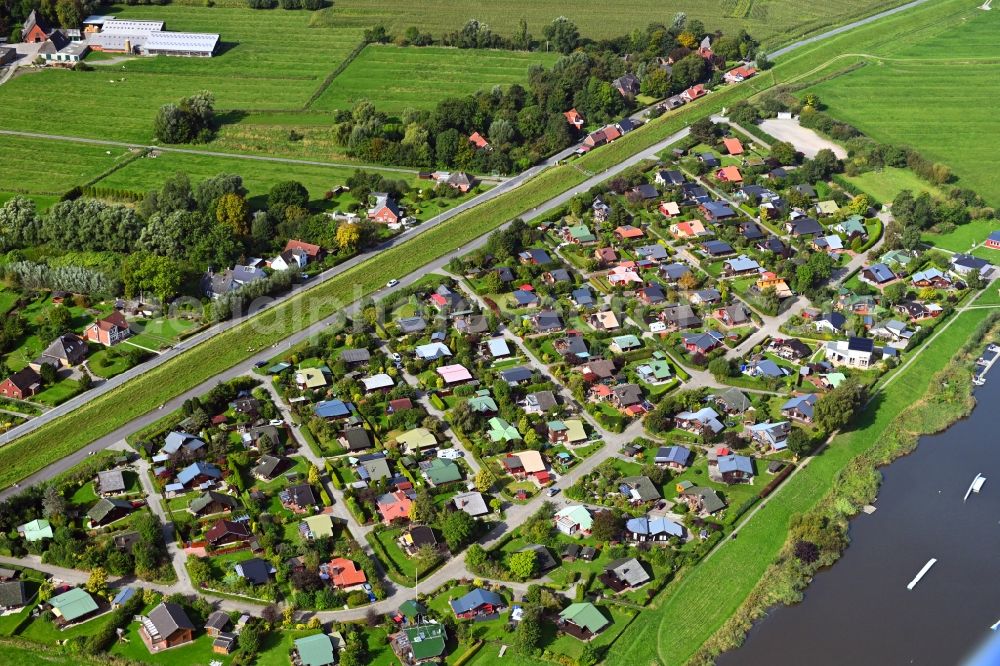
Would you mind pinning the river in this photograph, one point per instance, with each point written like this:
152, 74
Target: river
859, 611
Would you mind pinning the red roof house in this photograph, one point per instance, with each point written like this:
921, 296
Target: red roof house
312, 251
739, 74
729, 174
574, 118
345, 573
226, 531
694, 92
22, 384
733, 146
394, 506
108, 331
478, 140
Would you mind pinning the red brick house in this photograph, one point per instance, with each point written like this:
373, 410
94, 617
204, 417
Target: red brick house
166, 626
108, 331
36, 29
22, 384
385, 210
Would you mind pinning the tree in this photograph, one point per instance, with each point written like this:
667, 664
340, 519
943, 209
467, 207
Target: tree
562, 34
484, 479
97, 583
704, 130
457, 528
656, 83
743, 113
784, 152
187, 121
798, 442
806, 551
607, 526
53, 502
720, 368
475, 557
250, 638
523, 565
313, 477
49, 374
200, 569
423, 510
285, 194
348, 237
894, 293
233, 211
835, 409
69, 12
528, 634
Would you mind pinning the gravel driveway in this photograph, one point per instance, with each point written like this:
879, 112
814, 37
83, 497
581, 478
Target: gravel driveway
805, 140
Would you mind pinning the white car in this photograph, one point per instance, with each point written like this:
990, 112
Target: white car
657, 327
391, 283
396, 357
449, 454
276, 422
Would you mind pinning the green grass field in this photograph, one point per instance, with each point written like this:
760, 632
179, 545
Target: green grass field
902, 95
963, 237
259, 67
773, 21
42, 167
694, 607
397, 78
884, 185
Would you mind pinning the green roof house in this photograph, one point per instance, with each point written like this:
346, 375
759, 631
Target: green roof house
501, 431
315, 650
570, 430
582, 620
852, 226
580, 233
417, 439
425, 642
656, 370
624, 343
36, 530
483, 402
440, 471
835, 379
411, 610
73, 604
900, 258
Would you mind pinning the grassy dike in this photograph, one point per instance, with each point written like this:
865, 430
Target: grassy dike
103, 415
698, 616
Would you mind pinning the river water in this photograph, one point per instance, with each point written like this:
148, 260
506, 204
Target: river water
859, 611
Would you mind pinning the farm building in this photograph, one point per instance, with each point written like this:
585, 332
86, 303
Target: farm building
150, 38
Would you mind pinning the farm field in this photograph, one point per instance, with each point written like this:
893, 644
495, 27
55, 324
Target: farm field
396, 78
37, 167
773, 22
901, 96
258, 67
695, 606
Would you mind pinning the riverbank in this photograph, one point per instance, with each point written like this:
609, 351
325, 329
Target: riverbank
817, 538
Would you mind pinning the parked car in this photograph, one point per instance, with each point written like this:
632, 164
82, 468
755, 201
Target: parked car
449, 454
391, 283
553, 491
260, 364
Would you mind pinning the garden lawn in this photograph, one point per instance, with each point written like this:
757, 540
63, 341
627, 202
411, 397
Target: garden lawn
41, 630
695, 606
197, 652
964, 237
886, 183
396, 78
59, 392
276, 645
104, 364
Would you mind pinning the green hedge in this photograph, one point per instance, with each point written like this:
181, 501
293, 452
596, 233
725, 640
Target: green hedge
438, 402
469, 654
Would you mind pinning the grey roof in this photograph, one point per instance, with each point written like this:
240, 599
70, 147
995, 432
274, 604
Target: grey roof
628, 394
675, 271
67, 348
628, 570
474, 599
673, 454
654, 526
802, 403
681, 315
560, 275
642, 488
13, 594
804, 226
255, 570
516, 374
582, 296
211, 497
167, 618
543, 400
861, 344
734, 400
111, 480
267, 466
411, 324
836, 319
769, 368
100, 511
355, 355
218, 620
717, 247
719, 210
881, 272
646, 191
357, 439
742, 263
472, 503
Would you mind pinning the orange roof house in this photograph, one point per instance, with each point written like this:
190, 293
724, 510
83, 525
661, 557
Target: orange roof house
394, 506
478, 140
345, 573
733, 146
688, 229
694, 92
628, 231
611, 133
574, 118
312, 251
729, 174
739, 74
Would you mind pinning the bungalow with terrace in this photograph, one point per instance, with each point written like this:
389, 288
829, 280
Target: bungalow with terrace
804, 226
932, 277
574, 520
166, 626
638, 490
965, 265
539, 402
624, 574
373, 467
472, 503
702, 343
791, 349
717, 248
299, 498
569, 431
198, 473
649, 529
547, 321
705, 296
877, 275
674, 272
477, 602
830, 322
73, 605
333, 409
582, 620
679, 317
733, 315
225, 532
705, 421
431, 351
110, 482
800, 407
524, 298
582, 297
255, 571
853, 352
107, 511
598, 370
676, 458
534, 257
557, 276
702, 500
894, 331
394, 506
733, 401
829, 244
211, 502
516, 375
773, 436
454, 375
741, 265
717, 211
688, 229
269, 467
729, 468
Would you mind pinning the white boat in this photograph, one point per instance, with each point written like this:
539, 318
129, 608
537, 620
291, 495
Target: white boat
975, 486
920, 574
995, 625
